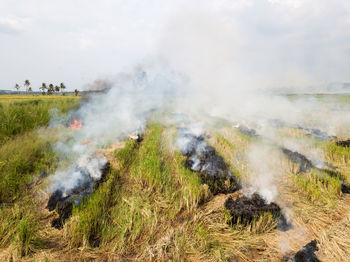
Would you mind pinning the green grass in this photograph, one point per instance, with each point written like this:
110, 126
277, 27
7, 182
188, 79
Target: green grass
20, 116
22, 159
25, 154
19, 227
94, 222
318, 187
139, 200
337, 154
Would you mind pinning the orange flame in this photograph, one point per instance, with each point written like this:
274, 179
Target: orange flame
76, 124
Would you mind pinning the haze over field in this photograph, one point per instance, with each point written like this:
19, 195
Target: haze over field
246, 43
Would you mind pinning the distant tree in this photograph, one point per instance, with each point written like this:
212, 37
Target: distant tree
17, 87
27, 84
30, 89
51, 89
62, 86
43, 88
76, 92
57, 89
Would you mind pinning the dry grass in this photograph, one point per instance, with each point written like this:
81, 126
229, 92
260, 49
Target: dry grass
151, 208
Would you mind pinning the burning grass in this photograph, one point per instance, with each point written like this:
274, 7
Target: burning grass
151, 207
22, 115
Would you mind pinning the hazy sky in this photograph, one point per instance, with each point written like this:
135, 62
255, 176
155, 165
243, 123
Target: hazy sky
76, 41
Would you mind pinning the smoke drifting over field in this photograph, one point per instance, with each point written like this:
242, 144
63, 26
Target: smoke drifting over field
216, 70
215, 64
109, 117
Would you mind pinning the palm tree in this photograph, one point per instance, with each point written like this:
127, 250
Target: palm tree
76, 92
43, 88
62, 87
26, 84
51, 89
17, 87
57, 89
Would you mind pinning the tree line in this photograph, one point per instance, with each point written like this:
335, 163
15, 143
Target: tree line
45, 89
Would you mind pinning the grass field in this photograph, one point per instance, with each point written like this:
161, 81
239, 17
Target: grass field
25, 154
150, 207
23, 113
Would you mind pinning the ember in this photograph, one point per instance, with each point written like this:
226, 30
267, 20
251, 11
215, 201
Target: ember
77, 124
244, 210
63, 201
203, 158
306, 254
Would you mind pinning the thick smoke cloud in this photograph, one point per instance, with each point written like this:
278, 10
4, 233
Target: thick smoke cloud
109, 117
229, 60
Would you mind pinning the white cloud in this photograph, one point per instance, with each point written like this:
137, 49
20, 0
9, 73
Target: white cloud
12, 25
79, 41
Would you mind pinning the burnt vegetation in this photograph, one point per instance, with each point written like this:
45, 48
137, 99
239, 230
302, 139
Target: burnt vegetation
153, 203
213, 171
306, 254
63, 202
245, 210
305, 165
343, 143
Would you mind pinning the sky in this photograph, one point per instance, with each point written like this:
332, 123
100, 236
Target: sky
268, 42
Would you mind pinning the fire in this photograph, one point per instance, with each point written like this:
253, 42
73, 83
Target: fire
77, 124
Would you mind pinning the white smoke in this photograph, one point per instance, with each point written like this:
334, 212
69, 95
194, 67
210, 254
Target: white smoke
262, 163
109, 117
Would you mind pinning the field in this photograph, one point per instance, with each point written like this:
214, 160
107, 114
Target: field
151, 207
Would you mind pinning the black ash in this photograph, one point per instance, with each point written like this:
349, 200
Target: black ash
245, 209
63, 200
305, 164
343, 143
306, 254
202, 158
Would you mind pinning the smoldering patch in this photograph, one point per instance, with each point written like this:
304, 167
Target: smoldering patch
83, 179
244, 210
343, 143
202, 158
305, 165
306, 254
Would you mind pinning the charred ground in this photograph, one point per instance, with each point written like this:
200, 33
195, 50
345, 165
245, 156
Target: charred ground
156, 202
